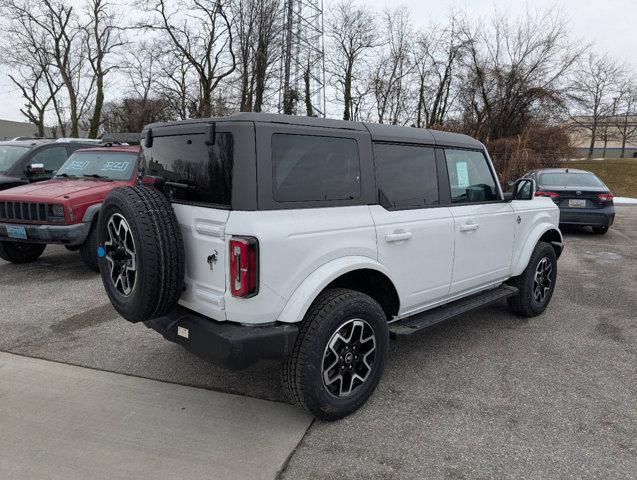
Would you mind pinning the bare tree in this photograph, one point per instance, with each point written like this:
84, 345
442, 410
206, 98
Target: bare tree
102, 38
200, 31
352, 32
392, 66
436, 55
627, 119
513, 70
595, 85
257, 25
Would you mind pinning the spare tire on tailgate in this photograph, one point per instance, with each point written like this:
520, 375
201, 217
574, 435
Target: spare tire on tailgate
141, 252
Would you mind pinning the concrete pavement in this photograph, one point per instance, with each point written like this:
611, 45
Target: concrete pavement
65, 422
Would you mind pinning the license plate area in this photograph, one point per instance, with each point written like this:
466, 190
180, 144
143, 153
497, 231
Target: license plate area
16, 232
576, 203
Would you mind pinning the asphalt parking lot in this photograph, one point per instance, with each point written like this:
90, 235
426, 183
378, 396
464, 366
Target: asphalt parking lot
485, 396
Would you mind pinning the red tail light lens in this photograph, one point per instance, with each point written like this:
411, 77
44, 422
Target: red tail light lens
544, 193
605, 197
244, 265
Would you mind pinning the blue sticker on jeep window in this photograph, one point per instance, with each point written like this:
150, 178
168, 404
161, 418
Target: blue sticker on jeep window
101, 252
115, 166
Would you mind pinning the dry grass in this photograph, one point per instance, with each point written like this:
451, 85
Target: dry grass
620, 175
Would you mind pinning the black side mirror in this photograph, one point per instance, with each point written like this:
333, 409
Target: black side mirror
523, 189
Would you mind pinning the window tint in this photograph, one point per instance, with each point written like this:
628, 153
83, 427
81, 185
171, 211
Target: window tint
407, 175
51, 157
204, 171
570, 179
307, 168
108, 164
470, 177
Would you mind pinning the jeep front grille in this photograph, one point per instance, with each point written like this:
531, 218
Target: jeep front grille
23, 211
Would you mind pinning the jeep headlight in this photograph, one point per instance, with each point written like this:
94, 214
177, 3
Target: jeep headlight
56, 212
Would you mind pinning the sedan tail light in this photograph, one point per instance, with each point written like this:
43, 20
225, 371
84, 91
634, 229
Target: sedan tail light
544, 193
244, 266
605, 197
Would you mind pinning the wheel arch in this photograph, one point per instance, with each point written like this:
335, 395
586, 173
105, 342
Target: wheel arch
362, 274
543, 232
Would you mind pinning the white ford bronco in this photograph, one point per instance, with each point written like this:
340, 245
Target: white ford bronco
312, 241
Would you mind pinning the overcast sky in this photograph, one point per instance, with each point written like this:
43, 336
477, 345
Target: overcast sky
610, 24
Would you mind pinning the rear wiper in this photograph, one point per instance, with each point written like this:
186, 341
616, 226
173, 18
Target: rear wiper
66, 175
97, 175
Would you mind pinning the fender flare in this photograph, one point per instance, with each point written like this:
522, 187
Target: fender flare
531, 241
300, 301
90, 212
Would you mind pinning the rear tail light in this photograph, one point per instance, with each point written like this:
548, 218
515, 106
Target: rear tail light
605, 197
244, 266
544, 193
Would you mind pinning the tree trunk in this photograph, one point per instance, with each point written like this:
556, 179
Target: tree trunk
96, 119
308, 94
347, 91
591, 147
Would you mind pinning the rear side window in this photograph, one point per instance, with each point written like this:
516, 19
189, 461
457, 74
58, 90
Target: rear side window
310, 168
51, 157
470, 177
198, 173
407, 175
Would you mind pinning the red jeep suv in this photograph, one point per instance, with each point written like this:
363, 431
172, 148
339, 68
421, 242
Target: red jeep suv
64, 210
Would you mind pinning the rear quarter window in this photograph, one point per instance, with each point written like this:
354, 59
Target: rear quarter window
313, 168
199, 173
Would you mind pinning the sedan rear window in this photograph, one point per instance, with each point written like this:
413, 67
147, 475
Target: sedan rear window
9, 155
570, 179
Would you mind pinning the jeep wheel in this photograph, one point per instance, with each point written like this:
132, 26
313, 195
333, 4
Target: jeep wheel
88, 250
537, 282
18, 252
141, 253
339, 355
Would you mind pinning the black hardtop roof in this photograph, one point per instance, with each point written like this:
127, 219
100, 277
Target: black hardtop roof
379, 132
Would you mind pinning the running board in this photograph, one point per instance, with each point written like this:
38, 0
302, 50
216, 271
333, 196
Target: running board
420, 321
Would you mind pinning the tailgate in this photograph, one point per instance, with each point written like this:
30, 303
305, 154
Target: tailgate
203, 231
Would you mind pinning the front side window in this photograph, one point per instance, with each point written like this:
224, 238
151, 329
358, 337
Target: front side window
195, 172
407, 175
9, 155
51, 157
105, 164
470, 177
311, 168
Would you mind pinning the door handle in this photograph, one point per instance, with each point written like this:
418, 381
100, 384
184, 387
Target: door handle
398, 236
469, 227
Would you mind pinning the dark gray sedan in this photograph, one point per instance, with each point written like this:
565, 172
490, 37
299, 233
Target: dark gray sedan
582, 197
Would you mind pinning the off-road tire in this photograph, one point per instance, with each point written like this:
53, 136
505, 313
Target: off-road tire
88, 250
159, 250
20, 252
524, 303
302, 370
600, 230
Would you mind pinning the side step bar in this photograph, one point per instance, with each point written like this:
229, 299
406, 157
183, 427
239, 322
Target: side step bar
420, 321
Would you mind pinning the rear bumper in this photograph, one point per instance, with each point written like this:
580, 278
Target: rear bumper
597, 217
71, 235
229, 344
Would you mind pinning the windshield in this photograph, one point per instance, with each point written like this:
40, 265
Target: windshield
111, 165
570, 179
9, 155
